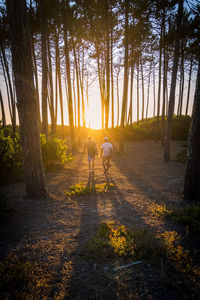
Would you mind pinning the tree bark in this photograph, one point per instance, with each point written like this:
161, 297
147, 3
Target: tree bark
59, 77
125, 88
9, 89
173, 85
189, 84
2, 111
68, 73
51, 91
107, 103
142, 78
149, 80
112, 81
192, 174
159, 86
43, 26
26, 99
138, 92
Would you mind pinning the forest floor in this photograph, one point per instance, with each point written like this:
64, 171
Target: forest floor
51, 236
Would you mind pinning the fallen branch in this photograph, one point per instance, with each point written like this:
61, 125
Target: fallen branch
129, 265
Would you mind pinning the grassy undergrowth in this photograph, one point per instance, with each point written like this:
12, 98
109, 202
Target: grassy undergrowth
189, 216
82, 189
117, 241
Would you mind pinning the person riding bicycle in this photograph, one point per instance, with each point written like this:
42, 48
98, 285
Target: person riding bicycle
106, 151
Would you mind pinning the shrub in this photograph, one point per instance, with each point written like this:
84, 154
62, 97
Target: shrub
54, 152
10, 151
114, 240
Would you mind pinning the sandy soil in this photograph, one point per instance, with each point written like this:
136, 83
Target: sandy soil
52, 235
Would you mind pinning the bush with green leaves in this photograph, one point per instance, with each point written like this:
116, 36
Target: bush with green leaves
54, 152
10, 151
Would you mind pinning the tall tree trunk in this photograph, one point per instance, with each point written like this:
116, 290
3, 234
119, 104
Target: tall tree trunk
51, 92
164, 85
74, 95
2, 111
67, 62
159, 86
36, 82
131, 96
183, 79
10, 89
112, 81
26, 99
138, 92
107, 104
149, 80
77, 86
59, 77
142, 78
173, 85
43, 26
189, 84
125, 88
154, 92
117, 98
192, 174
82, 91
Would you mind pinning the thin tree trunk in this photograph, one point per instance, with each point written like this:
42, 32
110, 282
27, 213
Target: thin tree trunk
59, 77
43, 26
77, 86
52, 108
107, 104
142, 78
189, 84
138, 92
125, 88
118, 99
2, 111
131, 96
192, 174
164, 86
154, 92
173, 85
147, 107
74, 94
67, 62
112, 81
82, 91
36, 82
10, 88
26, 99
159, 87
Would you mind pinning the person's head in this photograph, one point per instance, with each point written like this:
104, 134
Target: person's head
105, 139
89, 138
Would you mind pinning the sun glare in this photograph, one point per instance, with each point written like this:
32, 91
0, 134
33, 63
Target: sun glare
93, 115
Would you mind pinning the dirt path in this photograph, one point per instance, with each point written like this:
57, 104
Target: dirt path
52, 235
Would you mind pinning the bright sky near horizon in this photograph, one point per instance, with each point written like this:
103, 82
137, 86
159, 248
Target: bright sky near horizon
93, 110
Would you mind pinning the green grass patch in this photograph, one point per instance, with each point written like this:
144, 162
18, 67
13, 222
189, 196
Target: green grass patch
160, 210
82, 189
189, 216
120, 242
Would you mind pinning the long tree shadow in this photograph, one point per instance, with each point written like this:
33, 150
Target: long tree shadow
88, 280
